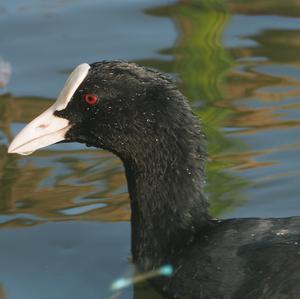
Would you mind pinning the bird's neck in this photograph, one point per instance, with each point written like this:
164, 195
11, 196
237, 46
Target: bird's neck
167, 202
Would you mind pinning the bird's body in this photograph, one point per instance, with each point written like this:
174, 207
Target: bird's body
138, 114
239, 258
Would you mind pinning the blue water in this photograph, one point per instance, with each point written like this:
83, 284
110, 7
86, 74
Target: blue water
64, 210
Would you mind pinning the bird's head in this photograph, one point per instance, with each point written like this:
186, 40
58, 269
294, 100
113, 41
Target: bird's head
115, 105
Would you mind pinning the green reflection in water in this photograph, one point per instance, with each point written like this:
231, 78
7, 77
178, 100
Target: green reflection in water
202, 62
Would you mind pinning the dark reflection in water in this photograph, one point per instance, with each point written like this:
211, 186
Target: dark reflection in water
64, 210
2, 292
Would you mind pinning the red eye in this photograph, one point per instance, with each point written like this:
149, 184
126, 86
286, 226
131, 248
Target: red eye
91, 99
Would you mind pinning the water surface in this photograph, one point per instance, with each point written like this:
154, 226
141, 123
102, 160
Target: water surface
64, 210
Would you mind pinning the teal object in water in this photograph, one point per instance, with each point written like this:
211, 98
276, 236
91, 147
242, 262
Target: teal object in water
122, 283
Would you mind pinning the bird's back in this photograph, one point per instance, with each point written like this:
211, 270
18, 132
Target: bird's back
239, 258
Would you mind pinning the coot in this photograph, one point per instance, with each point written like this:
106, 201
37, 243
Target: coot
138, 114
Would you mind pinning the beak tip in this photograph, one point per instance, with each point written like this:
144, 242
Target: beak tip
10, 150
13, 150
